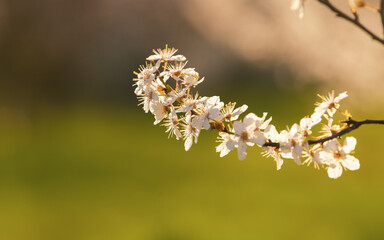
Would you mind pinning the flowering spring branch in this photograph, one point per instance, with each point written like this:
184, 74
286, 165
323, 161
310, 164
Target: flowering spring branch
185, 115
354, 4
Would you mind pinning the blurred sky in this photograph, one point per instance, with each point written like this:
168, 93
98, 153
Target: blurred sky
60, 51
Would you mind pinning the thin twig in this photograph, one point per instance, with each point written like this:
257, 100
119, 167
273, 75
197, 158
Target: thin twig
382, 13
355, 20
352, 125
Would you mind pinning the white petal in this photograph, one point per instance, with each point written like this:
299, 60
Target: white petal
180, 58
213, 100
242, 150
349, 144
272, 134
198, 121
249, 121
306, 123
200, 81
188, 117
335, 170
239, 111
258, 138
221, 147
316, 117
297, 150
284, 136
224, 152
153, 58
206, 124
279, 161
324, 157
159, 111
286, 150
294, 130
266, 123
196, 136
202, 100
331, 146
232, 143
158, 63
213, 113
146, 105
177, 133
350, 162
238, 127
341, 97
188, 143
261, 123
264, 115
331, 111
319, 111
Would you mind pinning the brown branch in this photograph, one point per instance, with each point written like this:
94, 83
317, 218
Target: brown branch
355, 20
271, 144
352, 125
382, 13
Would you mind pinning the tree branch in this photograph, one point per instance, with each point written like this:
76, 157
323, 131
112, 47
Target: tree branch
382, 13
352, 125
355, 20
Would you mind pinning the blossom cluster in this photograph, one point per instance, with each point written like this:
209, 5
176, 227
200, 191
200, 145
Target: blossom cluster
164, 86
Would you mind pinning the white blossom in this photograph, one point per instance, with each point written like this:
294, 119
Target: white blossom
190, 102
311, 155
261, 123
150, 96
209, 109
229, 112
330, 128
190, 131
144, 78
306, 124
179, 58
329, 105
226, 144
247, 132
159, 110
174, 95
147, 73
171, 123
166, 55
176, 71
336, 156
291, 143
191, 78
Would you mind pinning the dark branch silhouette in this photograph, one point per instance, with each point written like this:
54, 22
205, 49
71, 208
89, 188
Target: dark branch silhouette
355, 20
382, 13
352, 125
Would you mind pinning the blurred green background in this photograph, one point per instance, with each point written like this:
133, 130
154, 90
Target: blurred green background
79, 160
